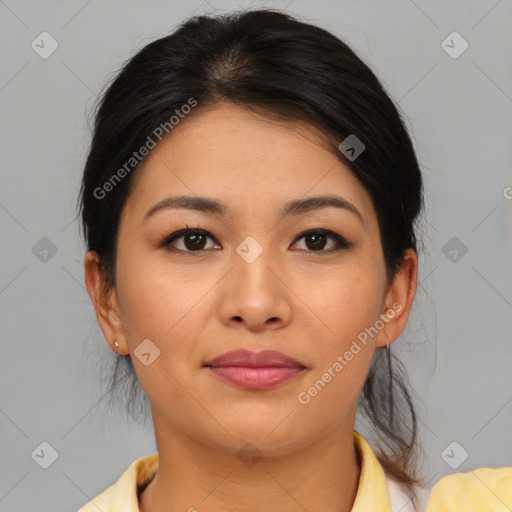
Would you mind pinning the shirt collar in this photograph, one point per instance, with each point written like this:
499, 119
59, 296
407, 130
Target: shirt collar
372, 493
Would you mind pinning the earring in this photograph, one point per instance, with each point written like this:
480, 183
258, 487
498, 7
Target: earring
388, 353
116, 344
390, 389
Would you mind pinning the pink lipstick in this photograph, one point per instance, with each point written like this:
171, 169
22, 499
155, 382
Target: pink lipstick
255, 370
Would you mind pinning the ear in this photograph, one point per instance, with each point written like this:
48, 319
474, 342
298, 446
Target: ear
398, 300
105, 304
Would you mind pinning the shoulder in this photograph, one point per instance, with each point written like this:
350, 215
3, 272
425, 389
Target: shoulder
482, 489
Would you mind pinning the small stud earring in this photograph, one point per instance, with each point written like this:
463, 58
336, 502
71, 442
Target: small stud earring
116, 344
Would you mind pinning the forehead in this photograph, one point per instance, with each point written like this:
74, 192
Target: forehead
245, 159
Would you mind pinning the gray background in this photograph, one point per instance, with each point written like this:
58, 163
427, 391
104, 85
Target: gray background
458, 344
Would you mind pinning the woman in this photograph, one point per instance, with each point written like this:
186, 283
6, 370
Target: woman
248, 204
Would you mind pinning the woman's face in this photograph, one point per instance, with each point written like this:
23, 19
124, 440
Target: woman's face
252, 281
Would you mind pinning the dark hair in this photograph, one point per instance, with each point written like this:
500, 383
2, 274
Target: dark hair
271, 63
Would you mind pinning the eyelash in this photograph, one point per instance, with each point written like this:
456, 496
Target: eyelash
342, 242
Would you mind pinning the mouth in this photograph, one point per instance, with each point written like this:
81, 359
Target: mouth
255, 370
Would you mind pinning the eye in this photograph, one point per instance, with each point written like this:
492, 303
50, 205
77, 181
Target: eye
317, 240
193, 240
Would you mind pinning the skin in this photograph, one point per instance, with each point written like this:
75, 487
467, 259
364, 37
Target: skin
309, 304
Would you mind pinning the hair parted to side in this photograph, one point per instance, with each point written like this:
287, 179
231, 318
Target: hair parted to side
269, 62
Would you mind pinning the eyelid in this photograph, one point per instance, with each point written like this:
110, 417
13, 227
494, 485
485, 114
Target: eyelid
182, 232
342, 242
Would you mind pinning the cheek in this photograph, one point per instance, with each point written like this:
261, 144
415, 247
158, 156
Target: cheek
165, 311
168, 305
334, 385
348, 301
154, 302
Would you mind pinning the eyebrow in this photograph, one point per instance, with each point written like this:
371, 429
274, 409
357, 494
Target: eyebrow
218, 208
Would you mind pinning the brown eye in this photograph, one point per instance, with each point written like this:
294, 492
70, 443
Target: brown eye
317, 240
196, 240
193, 240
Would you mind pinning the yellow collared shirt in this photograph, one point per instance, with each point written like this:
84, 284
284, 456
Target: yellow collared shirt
483, 490
480, 490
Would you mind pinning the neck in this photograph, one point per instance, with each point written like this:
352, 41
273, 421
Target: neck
193, 476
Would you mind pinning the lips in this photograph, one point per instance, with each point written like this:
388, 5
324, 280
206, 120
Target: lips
248, 359
255, 370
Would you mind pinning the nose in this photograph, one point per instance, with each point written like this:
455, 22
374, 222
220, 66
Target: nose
255, 294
